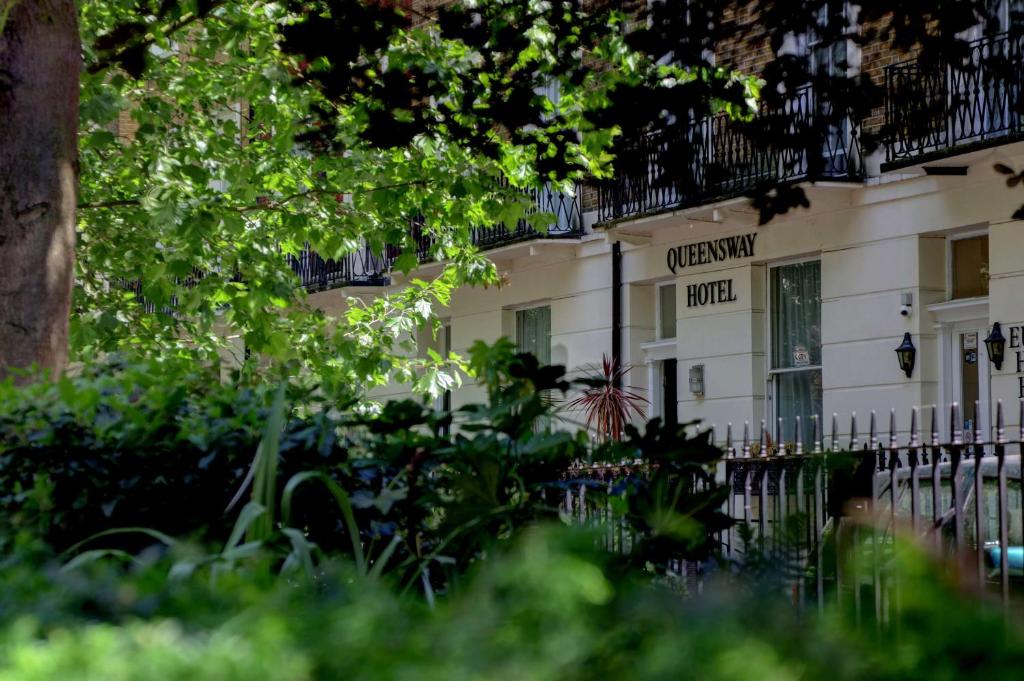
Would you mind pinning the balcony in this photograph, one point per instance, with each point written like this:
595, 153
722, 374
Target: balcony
941, 109
718, 158
368, 268
361, 268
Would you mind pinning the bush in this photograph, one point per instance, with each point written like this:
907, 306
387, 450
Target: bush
138, 445
396, 489
380, 524
545, 607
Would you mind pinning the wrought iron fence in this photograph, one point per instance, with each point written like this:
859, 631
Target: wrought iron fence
134, 286
933, 108
829, 515
717, 157
360, 268
567, 223
369, 268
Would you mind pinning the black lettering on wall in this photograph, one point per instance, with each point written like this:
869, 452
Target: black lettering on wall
710, 293
705, 252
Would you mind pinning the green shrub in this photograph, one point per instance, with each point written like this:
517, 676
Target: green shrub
546, 606
397, 490
137, 445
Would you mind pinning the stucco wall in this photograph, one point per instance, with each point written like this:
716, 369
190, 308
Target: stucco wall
874, 242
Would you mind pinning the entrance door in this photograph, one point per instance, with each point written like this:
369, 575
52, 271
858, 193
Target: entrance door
968, 367
669, 392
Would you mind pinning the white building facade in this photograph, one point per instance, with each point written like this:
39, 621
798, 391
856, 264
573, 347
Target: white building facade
725, 321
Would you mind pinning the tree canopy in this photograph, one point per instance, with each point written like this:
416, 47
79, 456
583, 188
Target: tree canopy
242, 152
259, 128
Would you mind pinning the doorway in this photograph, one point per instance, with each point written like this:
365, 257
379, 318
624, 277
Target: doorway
670, 392
968, 371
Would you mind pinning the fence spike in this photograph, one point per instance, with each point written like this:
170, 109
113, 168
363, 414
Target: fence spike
853, 431
955, 434
780, 447
915, 436
1000, 425
1020, 422
935, 425
817, 433
799, 438
872, 432
979, 437
761, 447
746, 439
729, 453
835, 431
892, 429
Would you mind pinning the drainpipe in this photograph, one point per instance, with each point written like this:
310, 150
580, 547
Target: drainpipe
617, 309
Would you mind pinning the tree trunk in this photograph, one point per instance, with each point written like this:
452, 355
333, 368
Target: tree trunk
40, 59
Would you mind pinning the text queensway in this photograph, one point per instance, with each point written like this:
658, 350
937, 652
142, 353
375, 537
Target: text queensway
706, 252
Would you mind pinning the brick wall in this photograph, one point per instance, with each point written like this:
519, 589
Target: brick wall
747, 48
125, 126
875, 57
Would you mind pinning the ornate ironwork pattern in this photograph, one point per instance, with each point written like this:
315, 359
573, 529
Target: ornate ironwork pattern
718, 157
368, 268
363, 267
933, 108
826, 515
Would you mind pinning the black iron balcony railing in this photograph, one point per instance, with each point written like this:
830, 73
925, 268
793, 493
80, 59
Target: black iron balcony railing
360, 268
935, 109
368, 268
718, 158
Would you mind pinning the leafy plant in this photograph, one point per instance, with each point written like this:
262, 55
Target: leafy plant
608, 406
546, 606
419, 494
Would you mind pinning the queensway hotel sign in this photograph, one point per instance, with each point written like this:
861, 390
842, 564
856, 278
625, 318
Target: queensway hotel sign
705, 253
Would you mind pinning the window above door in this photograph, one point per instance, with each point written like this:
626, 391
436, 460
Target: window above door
666, 311
968, 267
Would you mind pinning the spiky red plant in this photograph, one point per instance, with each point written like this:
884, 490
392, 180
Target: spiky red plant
608, 408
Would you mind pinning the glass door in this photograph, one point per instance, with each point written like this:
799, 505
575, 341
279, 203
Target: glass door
970, 373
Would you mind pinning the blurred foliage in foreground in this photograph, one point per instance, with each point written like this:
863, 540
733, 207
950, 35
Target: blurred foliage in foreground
417, 553
546, 608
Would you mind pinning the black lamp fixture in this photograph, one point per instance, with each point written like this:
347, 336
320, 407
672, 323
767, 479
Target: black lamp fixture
996, 346
906, 353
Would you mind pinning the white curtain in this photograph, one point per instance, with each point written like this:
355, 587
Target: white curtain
796, 345
533, 332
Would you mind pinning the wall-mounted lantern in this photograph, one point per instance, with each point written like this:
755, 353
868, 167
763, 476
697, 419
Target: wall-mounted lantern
996, 346
697, 380
906, 353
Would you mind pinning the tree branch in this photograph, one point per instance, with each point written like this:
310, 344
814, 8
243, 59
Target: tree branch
117, 203
269, 205
149, 38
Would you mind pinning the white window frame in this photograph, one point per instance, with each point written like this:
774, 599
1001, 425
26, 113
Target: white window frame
951, 319
771, 388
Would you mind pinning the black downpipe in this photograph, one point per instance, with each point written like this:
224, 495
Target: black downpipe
617, 310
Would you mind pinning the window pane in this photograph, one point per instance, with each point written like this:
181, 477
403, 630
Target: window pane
667, 310
796, 315
970, 267
798, 394
533, 332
